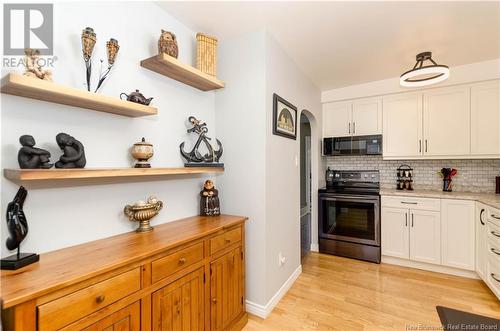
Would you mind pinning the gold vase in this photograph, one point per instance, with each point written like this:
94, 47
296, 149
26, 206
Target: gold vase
143, 214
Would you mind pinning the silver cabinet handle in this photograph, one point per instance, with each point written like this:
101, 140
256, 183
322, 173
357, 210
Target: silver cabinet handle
411, 219
354, 127
494, 216
420, 145
495, 251
409, 203
406, 219
495, 234
426, 145
349, 127
494, 277
481, 217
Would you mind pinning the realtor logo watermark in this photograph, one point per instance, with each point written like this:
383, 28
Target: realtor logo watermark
28, 26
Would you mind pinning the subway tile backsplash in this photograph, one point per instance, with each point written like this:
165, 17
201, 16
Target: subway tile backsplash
473, 175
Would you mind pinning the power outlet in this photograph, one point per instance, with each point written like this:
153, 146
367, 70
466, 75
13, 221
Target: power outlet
281, 259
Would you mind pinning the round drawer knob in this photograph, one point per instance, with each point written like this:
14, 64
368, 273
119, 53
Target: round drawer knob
100, 298
182, 261
214, 300
228, 241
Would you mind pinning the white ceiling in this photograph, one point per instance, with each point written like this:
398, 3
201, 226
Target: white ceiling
344, 43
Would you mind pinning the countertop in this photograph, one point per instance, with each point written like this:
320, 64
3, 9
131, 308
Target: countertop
490, 199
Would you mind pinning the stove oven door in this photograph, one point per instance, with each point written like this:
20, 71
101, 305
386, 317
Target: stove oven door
350, 218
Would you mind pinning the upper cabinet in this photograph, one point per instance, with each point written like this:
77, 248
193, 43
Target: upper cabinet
359, 117
485, 118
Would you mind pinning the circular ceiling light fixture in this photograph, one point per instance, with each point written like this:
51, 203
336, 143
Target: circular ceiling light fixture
422, 75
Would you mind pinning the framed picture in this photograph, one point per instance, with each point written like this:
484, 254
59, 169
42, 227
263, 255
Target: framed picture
284, 118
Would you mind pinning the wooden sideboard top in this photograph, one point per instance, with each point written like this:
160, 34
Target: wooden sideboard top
60, 268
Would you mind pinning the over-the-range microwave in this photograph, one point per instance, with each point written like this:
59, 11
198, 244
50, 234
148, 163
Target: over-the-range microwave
361, 145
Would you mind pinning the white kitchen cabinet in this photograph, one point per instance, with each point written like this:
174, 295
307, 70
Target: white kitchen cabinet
425, 236
402, 125
447, 121
358, 117
367, 116
485, 118
395, 233
457, 229
337, 119
481, 240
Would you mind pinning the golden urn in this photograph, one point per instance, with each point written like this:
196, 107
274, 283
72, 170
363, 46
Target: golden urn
143, 212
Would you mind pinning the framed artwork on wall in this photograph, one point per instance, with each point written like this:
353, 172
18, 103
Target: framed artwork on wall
284, 118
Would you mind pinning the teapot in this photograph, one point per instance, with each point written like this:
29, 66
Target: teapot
137, 97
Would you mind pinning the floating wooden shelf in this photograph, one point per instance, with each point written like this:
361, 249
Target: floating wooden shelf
29, 175
175, 69
33, 88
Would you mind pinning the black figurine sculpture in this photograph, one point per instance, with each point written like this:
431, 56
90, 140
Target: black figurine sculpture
18, 229
73, 152
209, 200
194, 158
31, 157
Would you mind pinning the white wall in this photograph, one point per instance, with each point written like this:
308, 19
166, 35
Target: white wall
64, 215
460, 74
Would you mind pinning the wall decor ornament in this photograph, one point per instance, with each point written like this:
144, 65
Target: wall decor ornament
142, 151
143, 212
73, 152
136, 97
33, 67
89, 39
209, 200
31, 157
17, 225
194, 158
284, 118
167, 44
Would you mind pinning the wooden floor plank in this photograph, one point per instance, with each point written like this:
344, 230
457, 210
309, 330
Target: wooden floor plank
335, 293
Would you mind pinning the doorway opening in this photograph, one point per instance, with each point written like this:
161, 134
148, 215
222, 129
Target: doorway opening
305, 186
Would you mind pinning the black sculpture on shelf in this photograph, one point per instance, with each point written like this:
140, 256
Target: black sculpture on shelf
209, 201
18, 229
73, 152
195, 158
31, 157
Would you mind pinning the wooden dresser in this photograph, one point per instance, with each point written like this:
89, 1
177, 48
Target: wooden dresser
184, 275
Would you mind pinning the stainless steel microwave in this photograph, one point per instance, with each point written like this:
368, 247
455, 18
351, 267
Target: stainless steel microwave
361, 145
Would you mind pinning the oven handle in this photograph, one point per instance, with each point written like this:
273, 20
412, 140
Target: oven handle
357, 198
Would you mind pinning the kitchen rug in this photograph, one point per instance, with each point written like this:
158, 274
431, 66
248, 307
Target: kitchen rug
453, 319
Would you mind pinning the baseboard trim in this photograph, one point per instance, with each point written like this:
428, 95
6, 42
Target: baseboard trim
429, 267
315, 247
263, 311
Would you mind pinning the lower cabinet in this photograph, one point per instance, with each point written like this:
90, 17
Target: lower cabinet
125, 319
226, 289
425, 236
395, 235
179, 305
481, 241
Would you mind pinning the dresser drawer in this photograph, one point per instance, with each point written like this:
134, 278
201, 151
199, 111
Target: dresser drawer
60, 312
221, 241
411, 203
174, 262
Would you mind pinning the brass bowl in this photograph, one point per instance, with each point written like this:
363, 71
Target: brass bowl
143, 214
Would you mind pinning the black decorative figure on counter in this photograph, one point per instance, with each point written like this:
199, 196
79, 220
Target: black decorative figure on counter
73, 152
18, 229
209, 201
31, 157
194, 158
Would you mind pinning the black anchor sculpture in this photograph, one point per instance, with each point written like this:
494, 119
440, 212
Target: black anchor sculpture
195, 158
18, 229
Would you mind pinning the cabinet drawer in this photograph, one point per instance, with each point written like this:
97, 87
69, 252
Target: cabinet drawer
494, 216
174, 262
56, 314
494, 235
221, 241
411, 203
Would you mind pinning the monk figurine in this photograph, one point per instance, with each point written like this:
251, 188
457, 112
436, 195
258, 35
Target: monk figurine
30, 157
33, 67
209, 201
73, 152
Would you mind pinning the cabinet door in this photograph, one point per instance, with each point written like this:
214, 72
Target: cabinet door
179, 305
425, 236
447, 121
226, 289
481, 241
485, 118
337, 119
125, 319
457, 233
395, 232
367, 116
402, 129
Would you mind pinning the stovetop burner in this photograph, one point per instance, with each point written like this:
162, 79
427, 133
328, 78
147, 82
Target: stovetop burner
352, 182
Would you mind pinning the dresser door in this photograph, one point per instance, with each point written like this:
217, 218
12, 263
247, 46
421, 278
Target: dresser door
125, 319
179, 305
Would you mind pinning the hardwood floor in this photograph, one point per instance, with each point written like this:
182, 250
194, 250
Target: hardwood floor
335, 293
